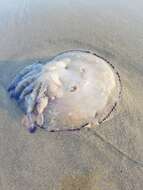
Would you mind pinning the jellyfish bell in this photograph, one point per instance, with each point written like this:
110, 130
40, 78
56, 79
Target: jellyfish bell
91, 89
71, 90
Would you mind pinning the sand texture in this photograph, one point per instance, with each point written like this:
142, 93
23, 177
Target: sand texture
109, 156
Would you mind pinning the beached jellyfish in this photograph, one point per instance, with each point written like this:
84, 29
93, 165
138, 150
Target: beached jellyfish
71, 90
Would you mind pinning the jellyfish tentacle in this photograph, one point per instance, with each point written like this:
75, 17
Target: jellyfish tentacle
40, 107
28, 89
33, 72
42, 104
20, 75
32, 127
23, 84
41, 99
40, 120
43, 89
12, 93
30, 99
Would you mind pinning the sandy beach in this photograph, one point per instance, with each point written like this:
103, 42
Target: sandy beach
109, 156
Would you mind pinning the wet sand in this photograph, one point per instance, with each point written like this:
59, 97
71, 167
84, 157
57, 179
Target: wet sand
106, 157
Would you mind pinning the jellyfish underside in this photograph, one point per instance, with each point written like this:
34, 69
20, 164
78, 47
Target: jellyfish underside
69, 91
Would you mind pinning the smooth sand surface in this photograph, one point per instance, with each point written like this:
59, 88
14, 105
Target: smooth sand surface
107, 157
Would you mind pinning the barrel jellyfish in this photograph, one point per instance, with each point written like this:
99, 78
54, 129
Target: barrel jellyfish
71, 90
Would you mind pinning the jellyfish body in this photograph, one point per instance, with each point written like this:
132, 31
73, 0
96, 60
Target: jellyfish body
70, 90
